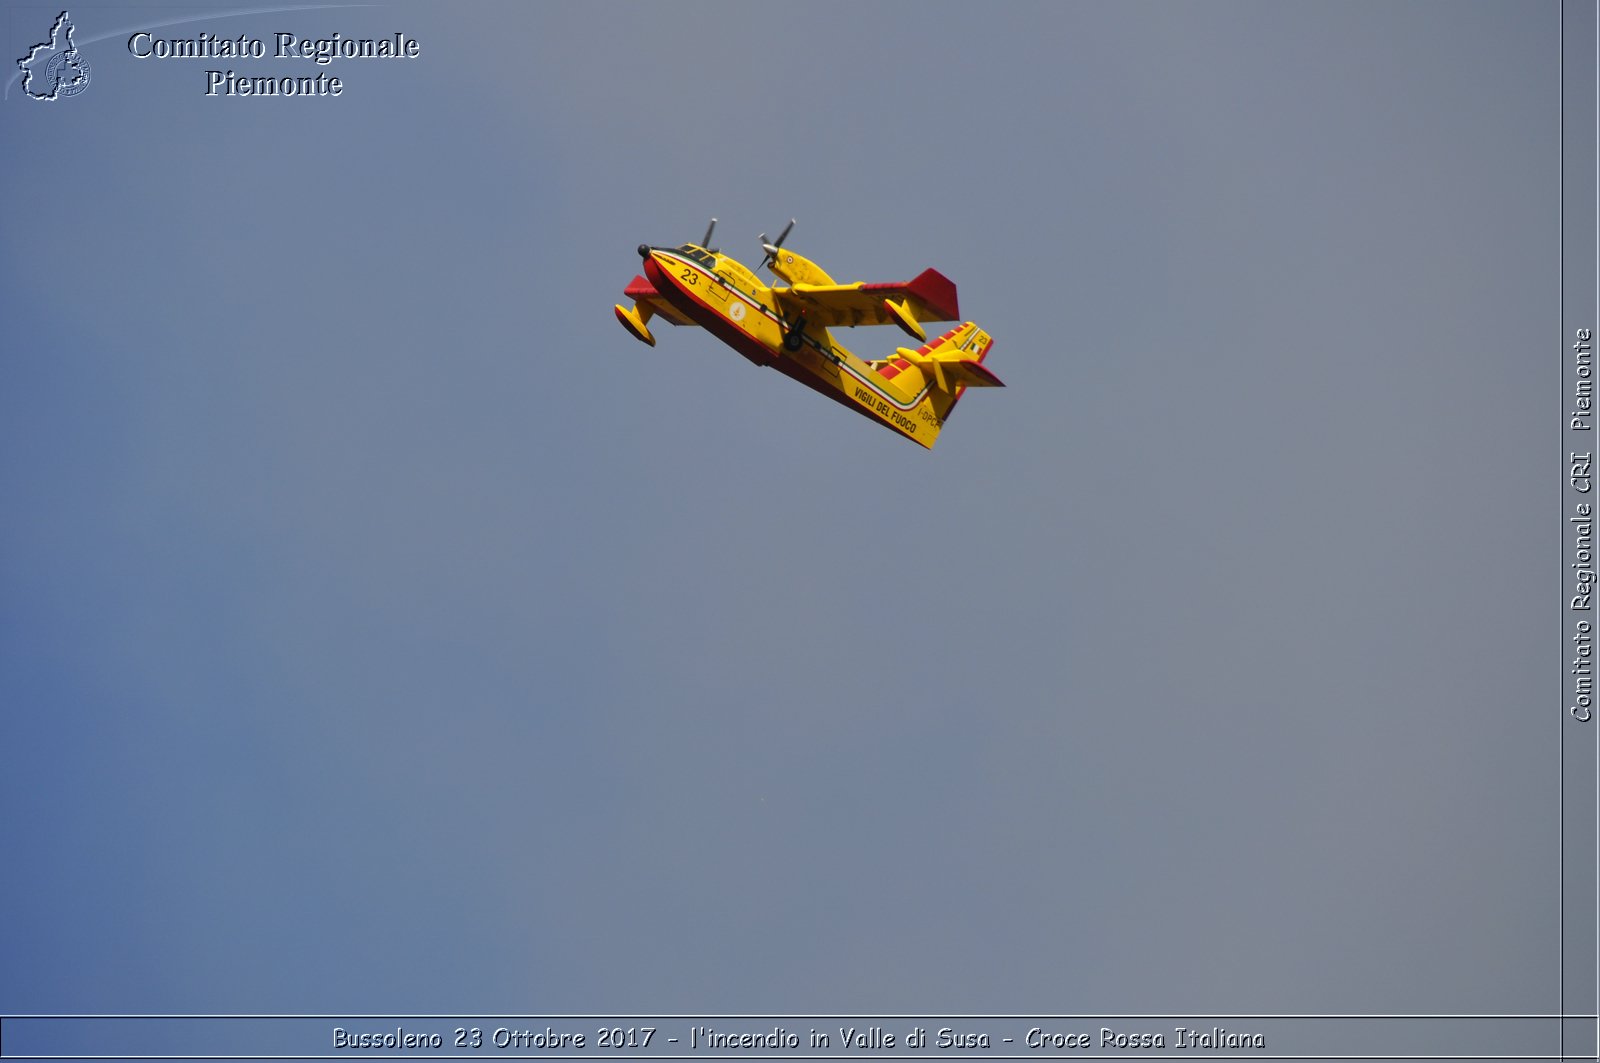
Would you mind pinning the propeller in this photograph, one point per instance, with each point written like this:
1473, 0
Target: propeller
705, 241
772, 248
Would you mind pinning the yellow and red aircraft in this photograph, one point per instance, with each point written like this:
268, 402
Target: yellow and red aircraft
912, 391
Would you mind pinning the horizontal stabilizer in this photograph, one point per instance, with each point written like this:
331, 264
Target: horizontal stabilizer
974, 375
951, 368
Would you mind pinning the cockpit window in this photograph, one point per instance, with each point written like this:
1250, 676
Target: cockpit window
696, 254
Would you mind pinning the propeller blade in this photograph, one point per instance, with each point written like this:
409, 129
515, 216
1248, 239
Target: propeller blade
772, 248
705, 241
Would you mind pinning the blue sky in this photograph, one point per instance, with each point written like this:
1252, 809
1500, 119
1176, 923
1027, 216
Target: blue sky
383, 629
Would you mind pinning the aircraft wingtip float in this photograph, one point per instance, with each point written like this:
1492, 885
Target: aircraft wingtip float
912, 391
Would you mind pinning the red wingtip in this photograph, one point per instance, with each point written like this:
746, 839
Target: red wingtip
938, 293
639, 288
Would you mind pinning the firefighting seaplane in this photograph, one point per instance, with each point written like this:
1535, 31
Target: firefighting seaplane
911, 391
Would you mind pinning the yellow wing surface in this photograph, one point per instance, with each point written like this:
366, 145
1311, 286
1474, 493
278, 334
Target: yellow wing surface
931, 296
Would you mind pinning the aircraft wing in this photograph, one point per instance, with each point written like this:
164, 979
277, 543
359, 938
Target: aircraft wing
644, 293
931, 296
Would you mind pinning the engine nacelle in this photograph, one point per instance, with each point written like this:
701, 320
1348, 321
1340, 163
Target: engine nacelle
796, 269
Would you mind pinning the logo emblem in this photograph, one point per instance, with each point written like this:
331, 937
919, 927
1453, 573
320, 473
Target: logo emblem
55, 69
736, 310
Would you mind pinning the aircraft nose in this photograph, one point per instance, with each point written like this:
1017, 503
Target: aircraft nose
644, 250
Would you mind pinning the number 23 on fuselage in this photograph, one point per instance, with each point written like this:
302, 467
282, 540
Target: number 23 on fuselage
912, 391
